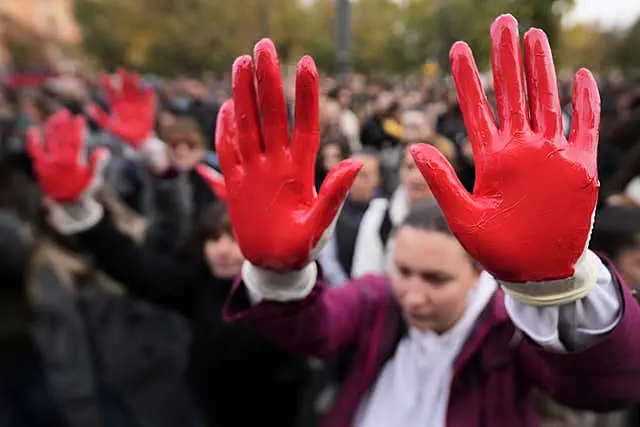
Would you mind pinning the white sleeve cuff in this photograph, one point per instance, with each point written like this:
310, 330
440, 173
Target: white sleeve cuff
76, 217
269, 285
572, 326
558, 292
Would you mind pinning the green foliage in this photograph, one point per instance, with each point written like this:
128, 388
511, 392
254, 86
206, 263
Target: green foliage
192, 36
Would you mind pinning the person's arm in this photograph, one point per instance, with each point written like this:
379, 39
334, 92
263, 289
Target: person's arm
154, 277
168, 209
584, 354
145, 274
302, 314
529, 220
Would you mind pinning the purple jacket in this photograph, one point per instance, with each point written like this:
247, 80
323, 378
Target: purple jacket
494, 374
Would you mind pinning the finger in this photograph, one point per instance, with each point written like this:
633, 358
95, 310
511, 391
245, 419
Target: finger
332, 193
542, 84
214, 180
454, 200
130, 83
227, 139
273, 107
246, 109
306, 132
109, 88
98, 115
476, 111
508, 81
586, 112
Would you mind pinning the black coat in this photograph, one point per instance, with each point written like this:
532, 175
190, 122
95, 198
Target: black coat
237, 377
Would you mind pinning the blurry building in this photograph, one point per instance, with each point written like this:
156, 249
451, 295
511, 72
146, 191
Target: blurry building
36, 33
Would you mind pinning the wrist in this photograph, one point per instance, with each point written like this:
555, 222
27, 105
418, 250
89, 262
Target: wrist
270, 285
75, 217
557, 292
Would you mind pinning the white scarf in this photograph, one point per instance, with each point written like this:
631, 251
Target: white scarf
413, 388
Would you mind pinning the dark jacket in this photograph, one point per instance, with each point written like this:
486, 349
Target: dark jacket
237, 377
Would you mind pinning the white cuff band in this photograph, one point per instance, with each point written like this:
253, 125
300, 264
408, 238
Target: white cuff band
269, 285
557, 292
76, 217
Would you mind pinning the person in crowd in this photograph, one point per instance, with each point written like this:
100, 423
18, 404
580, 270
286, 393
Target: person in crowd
415, 128
349, 124
489, 297
616, 234
333, 149
375, 235
237, 377
104, 359
186, 148
26, 398
336, 258
382, 128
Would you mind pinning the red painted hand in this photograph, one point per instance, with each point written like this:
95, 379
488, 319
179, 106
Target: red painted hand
132, 109
530, 214
268, 178
60, 164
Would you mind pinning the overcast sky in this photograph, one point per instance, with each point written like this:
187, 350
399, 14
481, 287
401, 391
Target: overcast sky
609, 13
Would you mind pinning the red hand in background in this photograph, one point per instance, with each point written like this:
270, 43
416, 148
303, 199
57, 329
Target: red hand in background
276, 215
530, 214
60, 163
132, 109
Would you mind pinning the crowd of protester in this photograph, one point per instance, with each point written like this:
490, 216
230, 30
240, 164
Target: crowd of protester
121, 325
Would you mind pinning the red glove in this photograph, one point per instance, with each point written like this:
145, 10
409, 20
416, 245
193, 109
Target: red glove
60, 163
530, 214
269, 181
132, 109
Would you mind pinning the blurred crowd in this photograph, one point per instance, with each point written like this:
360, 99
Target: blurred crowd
121, 325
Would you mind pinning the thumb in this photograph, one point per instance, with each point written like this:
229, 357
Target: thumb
454, 200
214, 179
98, 115
333, 191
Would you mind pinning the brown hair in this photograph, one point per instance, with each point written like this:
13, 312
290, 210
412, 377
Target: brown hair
427, 215
213, 223
184, 125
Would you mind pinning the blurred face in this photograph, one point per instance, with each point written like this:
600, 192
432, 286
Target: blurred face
344, 98
367, 180
412, 180
331, 156
431, 277
223, 256
415, 126
628, 264
186, 149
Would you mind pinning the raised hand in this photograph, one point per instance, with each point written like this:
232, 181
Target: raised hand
276, 215
132, 109
530, 214
60, 162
